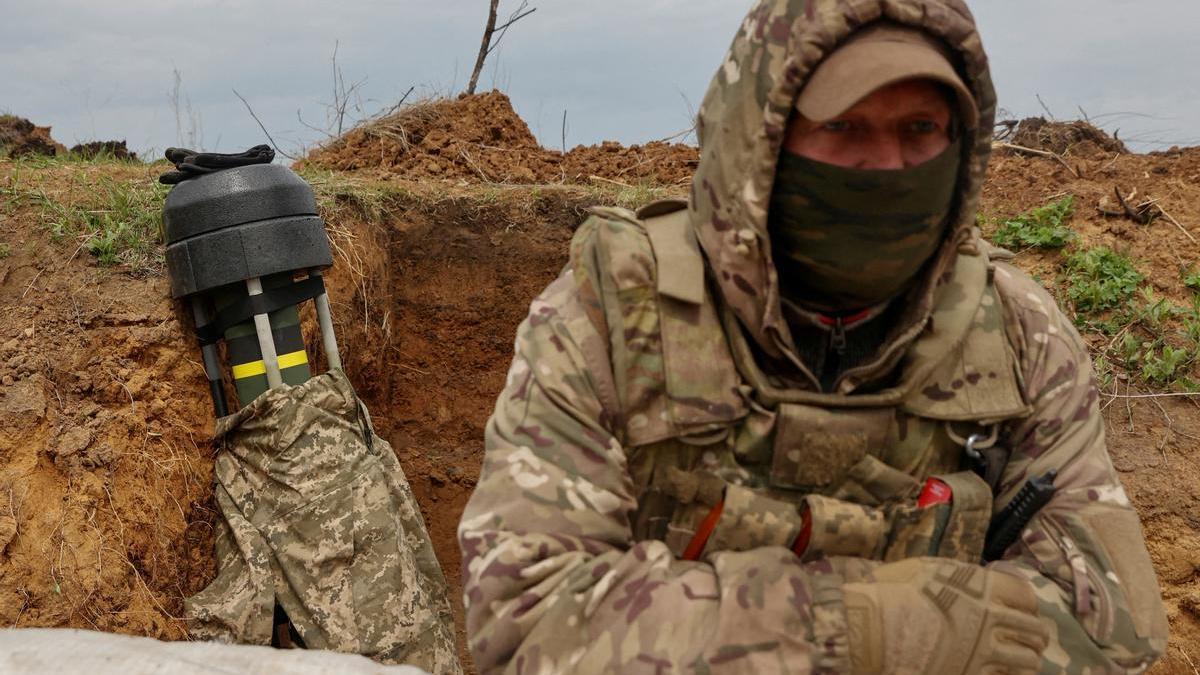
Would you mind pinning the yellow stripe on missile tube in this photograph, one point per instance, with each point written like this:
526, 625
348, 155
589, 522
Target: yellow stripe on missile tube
243, 370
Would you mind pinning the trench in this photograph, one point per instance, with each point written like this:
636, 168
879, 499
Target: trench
427, 299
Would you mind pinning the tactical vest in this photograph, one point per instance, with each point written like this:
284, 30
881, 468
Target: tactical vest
724, 459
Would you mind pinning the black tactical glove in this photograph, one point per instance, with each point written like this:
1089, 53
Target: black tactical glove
190, 163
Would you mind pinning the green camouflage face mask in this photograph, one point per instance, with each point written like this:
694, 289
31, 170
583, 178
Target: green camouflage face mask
845, 239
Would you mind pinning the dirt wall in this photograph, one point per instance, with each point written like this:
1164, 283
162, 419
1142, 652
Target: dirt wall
105, 473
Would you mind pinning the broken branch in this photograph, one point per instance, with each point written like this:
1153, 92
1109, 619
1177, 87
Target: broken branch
1175, 223
1039, 153
260, 125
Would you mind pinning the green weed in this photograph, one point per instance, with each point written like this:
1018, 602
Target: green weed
1166, 365
1159, 343
1129, 349
1191, 322
1191, 279
1157, 363
1104, 372
1156, 311
1100, 279
1042, 227
5, 250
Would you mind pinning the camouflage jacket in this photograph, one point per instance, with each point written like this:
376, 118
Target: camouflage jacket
569, 563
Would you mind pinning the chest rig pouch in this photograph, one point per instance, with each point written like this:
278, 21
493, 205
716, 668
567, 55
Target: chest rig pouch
738, 459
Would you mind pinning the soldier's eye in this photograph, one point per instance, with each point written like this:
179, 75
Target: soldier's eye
836, 126
923, 126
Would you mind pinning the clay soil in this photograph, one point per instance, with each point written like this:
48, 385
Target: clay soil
105, 473
105, 466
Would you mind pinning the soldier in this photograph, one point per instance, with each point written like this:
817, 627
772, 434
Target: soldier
765, 430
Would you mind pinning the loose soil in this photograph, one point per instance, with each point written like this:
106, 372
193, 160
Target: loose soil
105, 473
105, 467
481, 138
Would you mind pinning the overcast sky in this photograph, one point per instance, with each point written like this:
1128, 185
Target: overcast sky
627, 70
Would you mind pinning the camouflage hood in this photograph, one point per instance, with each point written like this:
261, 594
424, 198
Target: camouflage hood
741, 130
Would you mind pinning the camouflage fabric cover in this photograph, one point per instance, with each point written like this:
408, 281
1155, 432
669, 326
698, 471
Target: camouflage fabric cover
316, 515
632, 370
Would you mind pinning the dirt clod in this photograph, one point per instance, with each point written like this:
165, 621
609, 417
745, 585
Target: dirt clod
19, 136
1078, 138
23, 402
113, 149
1190, 603
70, 442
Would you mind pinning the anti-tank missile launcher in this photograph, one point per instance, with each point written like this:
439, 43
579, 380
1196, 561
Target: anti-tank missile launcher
245, 246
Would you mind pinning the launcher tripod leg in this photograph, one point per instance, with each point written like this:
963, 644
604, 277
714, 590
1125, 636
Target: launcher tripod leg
212, 364
325, 319
266, 341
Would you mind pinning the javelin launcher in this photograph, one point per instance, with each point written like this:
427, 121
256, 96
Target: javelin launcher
245, 246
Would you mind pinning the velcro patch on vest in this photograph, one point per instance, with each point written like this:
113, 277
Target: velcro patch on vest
817, 458
815, 447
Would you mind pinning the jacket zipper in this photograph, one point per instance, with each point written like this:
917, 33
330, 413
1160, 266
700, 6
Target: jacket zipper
837, 336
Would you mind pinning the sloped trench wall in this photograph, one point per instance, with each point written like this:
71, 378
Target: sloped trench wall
427, 296
105, 475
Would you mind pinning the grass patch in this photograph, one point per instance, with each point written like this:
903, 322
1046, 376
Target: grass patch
371, 199
1042, 227
117, 220
632, 197
1100, 279
122, 223
75, 159
5, 250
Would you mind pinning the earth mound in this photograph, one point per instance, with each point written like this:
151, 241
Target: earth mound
655, 162
481, 138
114, 149
468, 138
1078, 137
19, 136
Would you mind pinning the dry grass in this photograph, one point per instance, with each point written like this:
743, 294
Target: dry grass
394, 124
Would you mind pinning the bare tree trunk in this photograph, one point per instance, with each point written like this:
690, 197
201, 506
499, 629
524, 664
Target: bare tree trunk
493, 34
484, 46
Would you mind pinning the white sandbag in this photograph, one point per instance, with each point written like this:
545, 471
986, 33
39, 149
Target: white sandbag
82, 652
